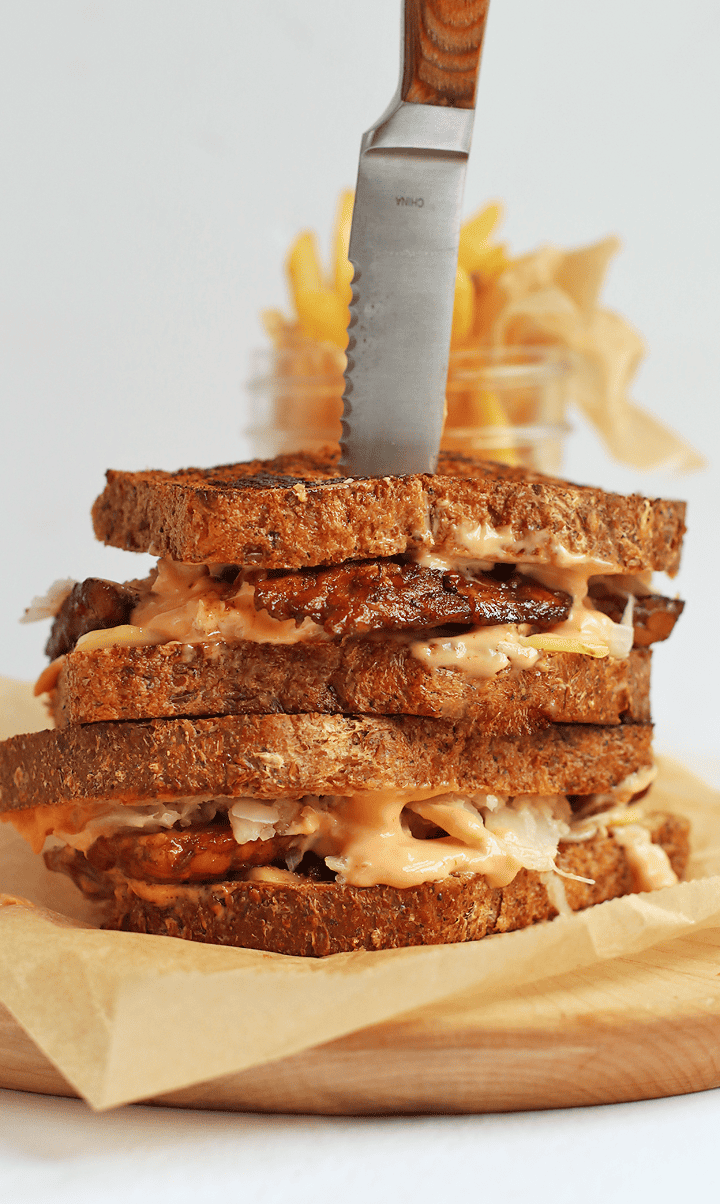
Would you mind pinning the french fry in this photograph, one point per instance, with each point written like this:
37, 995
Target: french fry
341, 243
275, 325
489, 411
548, 297
303, 266
323, 315
474, 236
493, 261
463, 306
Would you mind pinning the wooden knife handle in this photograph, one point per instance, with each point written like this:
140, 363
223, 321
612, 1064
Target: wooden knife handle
443, 42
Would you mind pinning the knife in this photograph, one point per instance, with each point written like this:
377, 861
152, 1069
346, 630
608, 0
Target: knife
404, 244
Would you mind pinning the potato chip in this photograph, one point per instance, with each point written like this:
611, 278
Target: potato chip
581, 273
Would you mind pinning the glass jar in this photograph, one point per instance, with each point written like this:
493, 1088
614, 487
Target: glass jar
509, 404
506, 404
296, 397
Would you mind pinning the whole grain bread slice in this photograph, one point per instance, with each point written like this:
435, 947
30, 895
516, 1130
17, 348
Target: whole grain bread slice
314, 919
299, 510
291, 755
377, 676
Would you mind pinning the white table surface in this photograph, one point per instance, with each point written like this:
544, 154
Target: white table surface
158, 159
57, 1150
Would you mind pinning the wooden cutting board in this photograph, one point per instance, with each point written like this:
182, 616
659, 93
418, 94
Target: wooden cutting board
634, 1028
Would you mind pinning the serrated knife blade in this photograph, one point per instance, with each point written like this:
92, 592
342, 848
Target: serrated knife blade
404, 244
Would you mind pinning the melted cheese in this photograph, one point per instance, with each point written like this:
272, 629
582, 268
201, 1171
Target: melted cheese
585, 625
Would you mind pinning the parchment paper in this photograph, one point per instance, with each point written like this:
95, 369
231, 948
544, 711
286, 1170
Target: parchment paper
126, 1016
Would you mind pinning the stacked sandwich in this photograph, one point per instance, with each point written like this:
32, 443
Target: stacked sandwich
355, 713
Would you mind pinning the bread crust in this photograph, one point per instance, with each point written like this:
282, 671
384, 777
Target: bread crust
314, 919
378, 676
274, 755
298, 510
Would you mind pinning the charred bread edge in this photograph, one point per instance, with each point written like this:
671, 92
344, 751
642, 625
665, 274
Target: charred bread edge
298, 510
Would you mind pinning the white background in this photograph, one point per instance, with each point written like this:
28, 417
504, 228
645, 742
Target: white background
157, 158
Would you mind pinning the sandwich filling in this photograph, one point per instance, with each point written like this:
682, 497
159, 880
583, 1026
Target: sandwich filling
480, 604
199, 705
479, 617
382, 837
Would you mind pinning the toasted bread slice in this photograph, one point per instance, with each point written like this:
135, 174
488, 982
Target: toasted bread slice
299, 510
378, 676
270, 756
307, 918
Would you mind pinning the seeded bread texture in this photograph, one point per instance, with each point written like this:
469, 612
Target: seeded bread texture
299, 510
376, 676
274, 755
319, 918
